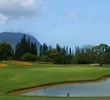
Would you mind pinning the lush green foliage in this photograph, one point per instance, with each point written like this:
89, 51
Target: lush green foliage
5, 51
29, 57
57, 58
56, 55
92, 54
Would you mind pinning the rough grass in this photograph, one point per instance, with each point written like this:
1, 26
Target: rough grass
15, 77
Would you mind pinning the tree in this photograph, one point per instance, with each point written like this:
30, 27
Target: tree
18, 52
44, 49
63, 51
58, 48
84, 55
41, 50
5, 51
70, 51
66, 59
25, 46
53, 56
33, 48
100, 50
105, 58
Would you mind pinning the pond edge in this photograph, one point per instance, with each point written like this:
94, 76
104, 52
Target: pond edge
24, 90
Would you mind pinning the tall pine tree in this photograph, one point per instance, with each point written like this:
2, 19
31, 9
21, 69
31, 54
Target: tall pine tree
25, 46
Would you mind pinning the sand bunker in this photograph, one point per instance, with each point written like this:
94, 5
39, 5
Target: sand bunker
21, 63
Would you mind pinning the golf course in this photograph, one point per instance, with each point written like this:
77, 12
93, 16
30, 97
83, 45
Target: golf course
16, 75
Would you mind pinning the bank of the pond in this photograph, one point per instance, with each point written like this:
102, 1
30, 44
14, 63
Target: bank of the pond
21, 91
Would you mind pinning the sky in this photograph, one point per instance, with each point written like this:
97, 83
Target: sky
66, 22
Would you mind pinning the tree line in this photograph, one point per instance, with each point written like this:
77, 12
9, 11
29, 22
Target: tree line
58, 55
27, 51
92, 54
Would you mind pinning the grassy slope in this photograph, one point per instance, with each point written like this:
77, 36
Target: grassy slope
15, 77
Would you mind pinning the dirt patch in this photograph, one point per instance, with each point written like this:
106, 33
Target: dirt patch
21, 63
2, 65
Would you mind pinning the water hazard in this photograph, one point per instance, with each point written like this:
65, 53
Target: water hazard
93, 89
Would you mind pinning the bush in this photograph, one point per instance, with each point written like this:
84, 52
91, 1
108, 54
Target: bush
29, 57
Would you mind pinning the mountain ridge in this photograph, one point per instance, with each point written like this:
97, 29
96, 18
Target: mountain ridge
13, 38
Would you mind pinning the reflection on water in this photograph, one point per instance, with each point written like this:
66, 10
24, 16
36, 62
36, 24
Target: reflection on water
76, 90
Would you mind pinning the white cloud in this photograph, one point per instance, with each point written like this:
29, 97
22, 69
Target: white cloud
4, 19
73, 15
12, 9
89, 18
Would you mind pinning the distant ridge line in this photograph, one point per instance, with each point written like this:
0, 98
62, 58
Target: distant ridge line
14, 37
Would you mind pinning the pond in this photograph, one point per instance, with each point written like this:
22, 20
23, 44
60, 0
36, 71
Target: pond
90, 89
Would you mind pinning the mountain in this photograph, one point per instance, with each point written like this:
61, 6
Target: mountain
13, 38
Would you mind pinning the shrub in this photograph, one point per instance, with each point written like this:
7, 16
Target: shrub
29, 57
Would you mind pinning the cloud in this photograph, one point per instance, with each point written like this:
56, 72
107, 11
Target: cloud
73, 15
76, 16
12, 9
86, 18
4, 19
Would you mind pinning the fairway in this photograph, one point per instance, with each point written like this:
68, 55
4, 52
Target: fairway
16, 77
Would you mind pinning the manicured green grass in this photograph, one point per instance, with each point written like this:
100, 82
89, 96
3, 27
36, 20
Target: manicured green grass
50, 98
15, 77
